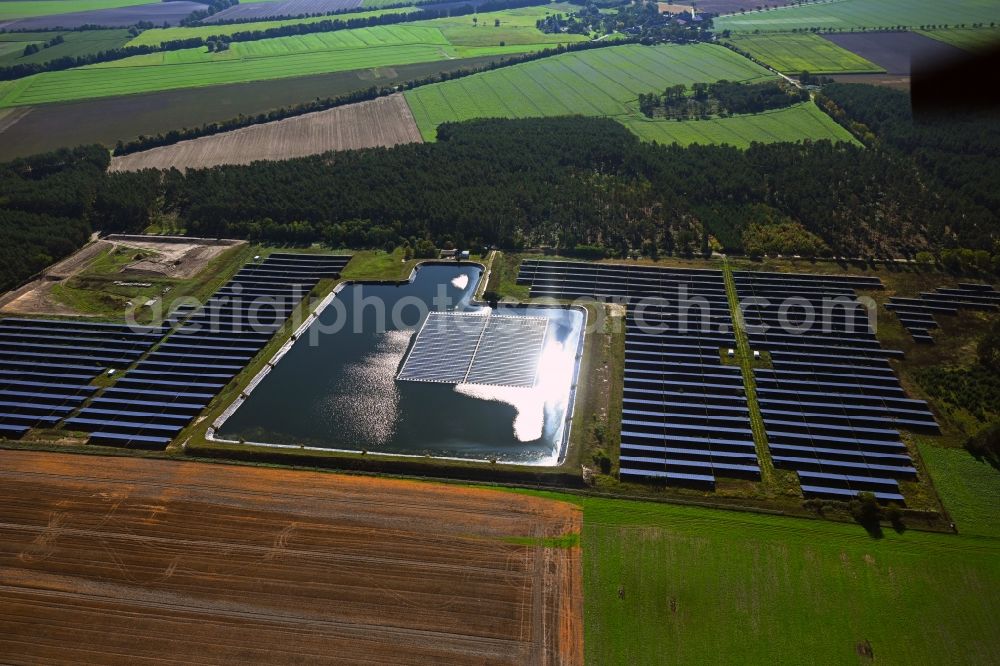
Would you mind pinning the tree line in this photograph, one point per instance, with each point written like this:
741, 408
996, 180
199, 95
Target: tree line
956, 154
579, 182
577, 185
21, 70
52, 202
722, 98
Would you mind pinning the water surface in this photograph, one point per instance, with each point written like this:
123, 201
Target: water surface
338, 390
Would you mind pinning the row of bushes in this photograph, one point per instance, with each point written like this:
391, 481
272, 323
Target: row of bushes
962, 260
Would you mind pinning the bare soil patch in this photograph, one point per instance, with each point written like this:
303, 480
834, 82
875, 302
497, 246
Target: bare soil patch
124, 560
35, 297
386, 121
896, 52
9, 117
176, 257
667, 7
888, 80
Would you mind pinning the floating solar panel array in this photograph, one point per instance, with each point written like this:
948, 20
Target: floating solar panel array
684, 413
831, 402
476, 348
164, 392
917, 314
46, 366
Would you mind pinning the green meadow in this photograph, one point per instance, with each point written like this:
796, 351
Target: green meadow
517, 26
76, 43
969, 488
800, 122
607, 82
793, 53
968, 39
848, 14
156, 36
672, 584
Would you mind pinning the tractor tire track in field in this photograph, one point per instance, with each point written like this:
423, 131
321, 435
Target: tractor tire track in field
386, 121
123, 560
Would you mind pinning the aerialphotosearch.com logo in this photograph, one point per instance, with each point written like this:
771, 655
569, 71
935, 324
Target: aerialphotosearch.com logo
675, 312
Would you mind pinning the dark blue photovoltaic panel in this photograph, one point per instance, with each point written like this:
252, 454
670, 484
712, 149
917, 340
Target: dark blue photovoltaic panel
831, 403
46, 365
917, 314
211, 344
684, 413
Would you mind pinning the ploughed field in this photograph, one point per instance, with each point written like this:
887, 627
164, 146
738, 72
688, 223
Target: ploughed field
123, 560
385, 121
896, 52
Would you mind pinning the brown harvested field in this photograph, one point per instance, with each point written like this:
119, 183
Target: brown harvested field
386, 121
667, 7
888, 80
125, 560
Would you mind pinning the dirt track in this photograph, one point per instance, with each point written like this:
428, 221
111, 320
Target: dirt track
386, 121
123, 560
35, 297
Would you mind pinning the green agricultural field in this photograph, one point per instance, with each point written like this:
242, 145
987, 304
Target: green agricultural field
607, 82
793, 53
76, 43
372, 4
795, 123
517, 26
159, 35
300, 55
15, 9
847, 14
672, 584
968, 39
970, 489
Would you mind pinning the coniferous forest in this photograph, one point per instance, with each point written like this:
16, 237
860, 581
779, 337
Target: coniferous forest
565, 183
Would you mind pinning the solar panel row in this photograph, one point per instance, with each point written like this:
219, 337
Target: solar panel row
684, 414
46, 366
476, 348
831, 403
169, 387
917, 314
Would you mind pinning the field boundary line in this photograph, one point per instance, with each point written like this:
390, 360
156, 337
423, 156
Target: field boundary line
749, 383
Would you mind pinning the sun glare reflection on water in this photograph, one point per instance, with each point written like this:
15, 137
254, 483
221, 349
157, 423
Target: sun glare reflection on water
340, 390
369, 396
550, 394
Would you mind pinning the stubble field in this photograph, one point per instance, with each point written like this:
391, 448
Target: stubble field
123, 560
386, 121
